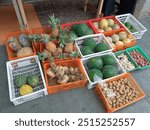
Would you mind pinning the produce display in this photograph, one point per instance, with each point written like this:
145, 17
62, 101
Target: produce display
125, 62
90, 46
26, 83
104, 67
130, 27
139, 59
105, 25
58, 44
121, 40
20, 47
119, 92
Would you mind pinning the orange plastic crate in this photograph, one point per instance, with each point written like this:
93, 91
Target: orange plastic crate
91, 21
132, 43
10, 53
62, 87
40, 30
102, 97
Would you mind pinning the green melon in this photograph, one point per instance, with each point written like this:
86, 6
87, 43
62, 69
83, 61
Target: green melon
109, 60
109, 71
85, 50
94, 72
101, 47
32, 80
24, 40
95, 63
90, 42
20, 80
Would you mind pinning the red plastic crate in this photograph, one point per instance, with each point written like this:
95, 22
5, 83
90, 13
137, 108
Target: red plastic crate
91, 21
69, 25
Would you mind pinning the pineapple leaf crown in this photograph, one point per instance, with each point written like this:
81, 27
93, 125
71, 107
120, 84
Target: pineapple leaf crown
74, 54
45, 38
62, 38
35, 38
42, 56
53, 22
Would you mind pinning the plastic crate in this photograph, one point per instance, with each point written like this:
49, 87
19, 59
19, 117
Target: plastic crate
10, 53
68, 26
40, 30
98, 38
134, 22
62, 87
129, 58
25, 66
102, 97
85, 60
132, 43
91, 21
140, 52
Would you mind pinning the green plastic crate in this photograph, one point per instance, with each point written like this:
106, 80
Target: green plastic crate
142, 53
129, 58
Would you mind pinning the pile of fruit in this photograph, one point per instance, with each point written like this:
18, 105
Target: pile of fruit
129, 26
120, 40
20, 46
79, 30
89, 46
122, 92
124, 61
58, 44
58, 74
105, 25
104, 67
26, 83
139, 59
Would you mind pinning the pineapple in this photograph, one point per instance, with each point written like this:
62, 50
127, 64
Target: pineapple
57, 53
48, 54
54, 24
49, 45
69, 47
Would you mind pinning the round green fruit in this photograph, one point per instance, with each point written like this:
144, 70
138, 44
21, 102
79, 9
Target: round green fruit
90, 42
85, 50
95, 63
32, 80
94, 72
108, 60
101, 47
20, 80
109, 71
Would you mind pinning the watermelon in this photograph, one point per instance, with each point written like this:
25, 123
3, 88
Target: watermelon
85, 50
90, 42
109, 60
20, 80
94, 72
101, 47
109, 71
95, 63
32, 80
81, 29
24, 40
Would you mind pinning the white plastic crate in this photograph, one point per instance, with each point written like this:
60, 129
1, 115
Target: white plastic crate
85, 60
98, 38
25, 66
136, 24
